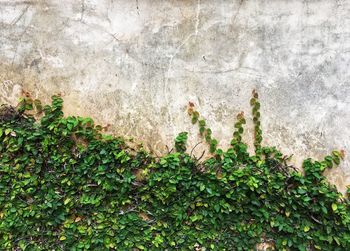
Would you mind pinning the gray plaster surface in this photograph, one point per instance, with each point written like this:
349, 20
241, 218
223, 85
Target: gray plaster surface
136, 65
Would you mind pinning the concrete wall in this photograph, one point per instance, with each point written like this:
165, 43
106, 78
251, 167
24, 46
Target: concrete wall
136, 63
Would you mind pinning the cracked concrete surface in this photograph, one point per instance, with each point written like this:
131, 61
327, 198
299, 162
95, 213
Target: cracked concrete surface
136, 64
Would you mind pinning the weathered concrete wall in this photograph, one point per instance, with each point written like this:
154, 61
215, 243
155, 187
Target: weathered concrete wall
136, 63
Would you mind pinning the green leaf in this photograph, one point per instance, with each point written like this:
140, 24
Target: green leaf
209, 190
217, 207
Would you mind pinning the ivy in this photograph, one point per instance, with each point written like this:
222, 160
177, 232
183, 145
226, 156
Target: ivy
180, 142
254, 102
64, 185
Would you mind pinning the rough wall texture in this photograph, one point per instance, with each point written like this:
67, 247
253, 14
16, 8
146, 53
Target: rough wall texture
136, 63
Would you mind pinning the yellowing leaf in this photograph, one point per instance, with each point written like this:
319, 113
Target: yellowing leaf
334, 207
62, 238
66, 201
144, 216
306, 229
77, 219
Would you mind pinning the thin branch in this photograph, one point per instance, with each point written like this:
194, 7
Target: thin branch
201, 156
169, 151
316, 220
195, 147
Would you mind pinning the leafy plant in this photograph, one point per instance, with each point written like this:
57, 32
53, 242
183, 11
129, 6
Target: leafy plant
180, 142
64, 185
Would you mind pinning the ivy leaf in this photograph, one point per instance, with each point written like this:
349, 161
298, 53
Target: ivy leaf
217, 207
209, 190
334, 207
66, 201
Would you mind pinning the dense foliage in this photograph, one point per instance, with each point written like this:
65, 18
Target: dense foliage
64, 185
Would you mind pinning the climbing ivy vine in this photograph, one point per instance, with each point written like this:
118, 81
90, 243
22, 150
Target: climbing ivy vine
65, 185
